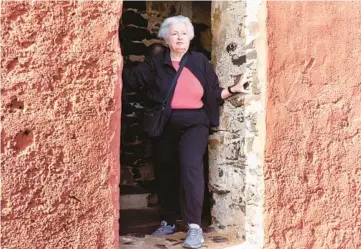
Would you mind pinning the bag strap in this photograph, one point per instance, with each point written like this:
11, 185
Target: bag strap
174, 81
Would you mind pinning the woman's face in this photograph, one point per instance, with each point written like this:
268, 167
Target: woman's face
178, 40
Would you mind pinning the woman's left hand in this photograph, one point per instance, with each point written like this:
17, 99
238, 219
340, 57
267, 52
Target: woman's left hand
244, 84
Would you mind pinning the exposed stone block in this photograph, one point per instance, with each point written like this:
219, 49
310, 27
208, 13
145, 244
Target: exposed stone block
134, 201
135, 48
126, 175
134, 18
235, 214
230, 180
138, 5
134, 34
146, 173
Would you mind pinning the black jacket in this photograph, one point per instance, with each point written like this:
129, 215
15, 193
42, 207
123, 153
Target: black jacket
155, 75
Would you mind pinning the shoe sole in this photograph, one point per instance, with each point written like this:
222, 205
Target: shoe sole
162, 234
193, 247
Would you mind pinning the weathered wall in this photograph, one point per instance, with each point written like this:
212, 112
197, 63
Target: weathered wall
135, 153
60, 115
236, 148
313, 168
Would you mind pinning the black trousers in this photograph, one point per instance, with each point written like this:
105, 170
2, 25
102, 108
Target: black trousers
178, 164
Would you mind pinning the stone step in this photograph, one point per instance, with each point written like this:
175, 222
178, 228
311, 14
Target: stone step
133, 201
136, 197
132, 189
138, 221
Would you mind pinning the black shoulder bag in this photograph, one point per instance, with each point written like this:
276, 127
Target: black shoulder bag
155, 118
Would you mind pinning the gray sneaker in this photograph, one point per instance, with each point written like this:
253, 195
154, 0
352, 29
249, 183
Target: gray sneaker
194, 237
164, 229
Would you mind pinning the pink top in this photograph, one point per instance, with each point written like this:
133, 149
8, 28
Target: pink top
188, 91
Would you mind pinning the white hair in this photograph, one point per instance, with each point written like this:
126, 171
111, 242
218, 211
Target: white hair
164, 27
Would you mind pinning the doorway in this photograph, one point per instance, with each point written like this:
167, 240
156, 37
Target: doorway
138, 30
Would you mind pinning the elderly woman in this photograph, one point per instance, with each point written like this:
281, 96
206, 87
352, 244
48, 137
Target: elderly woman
194, 105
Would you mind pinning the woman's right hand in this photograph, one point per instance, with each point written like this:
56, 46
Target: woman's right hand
244, 84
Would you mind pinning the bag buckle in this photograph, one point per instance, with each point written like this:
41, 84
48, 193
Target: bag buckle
163, 105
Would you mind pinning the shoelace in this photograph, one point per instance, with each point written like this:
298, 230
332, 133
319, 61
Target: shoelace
163, 225
160, 228
193, 232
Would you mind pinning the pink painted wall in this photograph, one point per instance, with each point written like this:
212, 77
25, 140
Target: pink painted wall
60, 114
313, 148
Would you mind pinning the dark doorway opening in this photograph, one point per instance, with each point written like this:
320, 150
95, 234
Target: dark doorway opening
138, 30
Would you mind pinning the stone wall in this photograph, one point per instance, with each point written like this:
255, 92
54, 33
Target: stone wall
60, 120
236, 147
313, 168
139, 28
135, 155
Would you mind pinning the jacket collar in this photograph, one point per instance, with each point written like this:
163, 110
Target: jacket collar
167, 59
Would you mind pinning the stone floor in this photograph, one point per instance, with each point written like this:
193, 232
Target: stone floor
137, 224
175, 241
